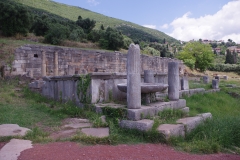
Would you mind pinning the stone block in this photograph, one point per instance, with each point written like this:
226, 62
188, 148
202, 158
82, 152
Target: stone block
205, 79
96, 132
225, 77
97, 90
170, 130
141, 113
160, 106
183, 93
185, 109
190, 122
142, 125
205, 116
181, 103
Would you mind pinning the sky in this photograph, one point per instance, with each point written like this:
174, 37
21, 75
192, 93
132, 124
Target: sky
182, 19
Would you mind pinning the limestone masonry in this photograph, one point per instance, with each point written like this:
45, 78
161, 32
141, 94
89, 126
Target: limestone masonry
39, 60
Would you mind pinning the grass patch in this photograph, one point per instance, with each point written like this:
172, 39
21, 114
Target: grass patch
220, 133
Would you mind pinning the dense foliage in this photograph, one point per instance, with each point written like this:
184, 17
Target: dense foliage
198, 54
231, 58
14, 18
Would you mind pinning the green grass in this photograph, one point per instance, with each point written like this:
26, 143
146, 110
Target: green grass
42, 115
222, 132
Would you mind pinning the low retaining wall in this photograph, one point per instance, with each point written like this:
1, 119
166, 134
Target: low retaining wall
103, 87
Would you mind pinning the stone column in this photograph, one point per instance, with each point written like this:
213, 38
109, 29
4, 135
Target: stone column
205, 79
43, 64
148, 78
133, 77
173, 81
56, 64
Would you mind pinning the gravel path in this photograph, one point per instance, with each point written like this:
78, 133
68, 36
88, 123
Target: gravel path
74, 151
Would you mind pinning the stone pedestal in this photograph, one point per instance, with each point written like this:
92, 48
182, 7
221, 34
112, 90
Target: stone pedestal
205, 79
225, 77
215, 84
148, 78
173, 81
133, 77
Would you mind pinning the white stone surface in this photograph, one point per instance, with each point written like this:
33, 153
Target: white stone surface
12, 130
96, 132
12, 150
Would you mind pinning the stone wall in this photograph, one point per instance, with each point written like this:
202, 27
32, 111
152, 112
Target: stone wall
40, 60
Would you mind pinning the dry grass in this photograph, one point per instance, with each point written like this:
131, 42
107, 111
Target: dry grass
88, 45
231, 75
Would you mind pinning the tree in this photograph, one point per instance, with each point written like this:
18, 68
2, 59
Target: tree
199, 54
86, 24
231, 58
14, 18
112, 39
40, 26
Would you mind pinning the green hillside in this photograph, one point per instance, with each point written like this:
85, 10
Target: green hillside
72, 13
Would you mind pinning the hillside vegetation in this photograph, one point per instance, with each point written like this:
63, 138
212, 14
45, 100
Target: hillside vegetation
72, 13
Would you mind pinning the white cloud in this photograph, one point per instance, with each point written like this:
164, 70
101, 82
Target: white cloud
150, 26
93, 2
165, 26
222, 25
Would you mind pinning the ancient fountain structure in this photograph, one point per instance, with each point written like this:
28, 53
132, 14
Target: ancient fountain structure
137, 89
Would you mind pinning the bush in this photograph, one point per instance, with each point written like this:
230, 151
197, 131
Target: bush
225, 68
151, 51
77, 35
56, 34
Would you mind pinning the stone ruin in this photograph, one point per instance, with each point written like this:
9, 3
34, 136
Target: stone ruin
114, 77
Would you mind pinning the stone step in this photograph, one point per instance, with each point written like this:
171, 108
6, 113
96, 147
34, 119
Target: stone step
142, 125
185, 125
153, 109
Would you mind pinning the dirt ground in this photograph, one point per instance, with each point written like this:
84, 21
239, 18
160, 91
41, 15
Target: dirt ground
75, 151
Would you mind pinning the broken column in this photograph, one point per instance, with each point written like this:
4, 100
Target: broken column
184, 83
133, 77
173, 81
56, 64
215, 83
43, 64
205, 79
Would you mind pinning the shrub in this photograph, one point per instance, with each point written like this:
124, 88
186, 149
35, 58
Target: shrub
152, 51
77, 35
225, 68
56, 34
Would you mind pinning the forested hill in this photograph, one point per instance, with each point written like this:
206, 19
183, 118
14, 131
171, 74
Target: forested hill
134, 31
